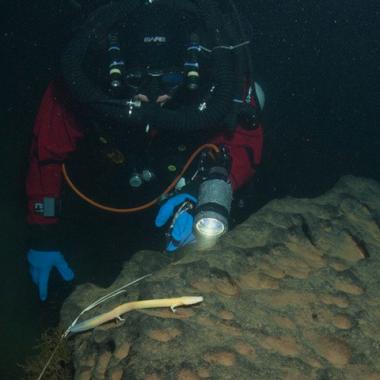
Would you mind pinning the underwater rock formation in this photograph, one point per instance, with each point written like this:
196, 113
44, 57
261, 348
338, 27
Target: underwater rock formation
292, 293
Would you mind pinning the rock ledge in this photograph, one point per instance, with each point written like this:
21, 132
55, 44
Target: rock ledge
292, 293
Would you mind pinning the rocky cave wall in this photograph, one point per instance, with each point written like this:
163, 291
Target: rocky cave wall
292, 293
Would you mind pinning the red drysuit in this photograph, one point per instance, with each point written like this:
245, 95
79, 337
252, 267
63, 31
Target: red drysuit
56, 134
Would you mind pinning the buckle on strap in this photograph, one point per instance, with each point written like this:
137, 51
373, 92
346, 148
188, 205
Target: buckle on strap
47, 207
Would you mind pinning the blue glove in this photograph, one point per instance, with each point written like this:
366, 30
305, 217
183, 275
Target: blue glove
40, 265
182, 230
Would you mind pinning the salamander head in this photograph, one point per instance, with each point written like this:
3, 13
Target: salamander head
191, 300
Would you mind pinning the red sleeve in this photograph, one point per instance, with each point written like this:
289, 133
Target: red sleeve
245, 147
55, 135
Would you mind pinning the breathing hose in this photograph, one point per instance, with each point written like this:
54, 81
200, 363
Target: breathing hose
145, 205
189, 118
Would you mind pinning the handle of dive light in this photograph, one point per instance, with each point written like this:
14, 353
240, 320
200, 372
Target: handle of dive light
218, 165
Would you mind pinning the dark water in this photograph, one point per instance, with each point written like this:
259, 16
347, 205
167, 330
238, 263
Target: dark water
318, 63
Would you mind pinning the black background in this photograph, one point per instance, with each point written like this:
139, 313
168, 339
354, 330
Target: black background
318, 63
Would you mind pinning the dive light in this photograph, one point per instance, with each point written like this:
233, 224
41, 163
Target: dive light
214, 201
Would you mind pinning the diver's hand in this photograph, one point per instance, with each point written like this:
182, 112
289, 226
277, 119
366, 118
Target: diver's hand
40, 265
181, 231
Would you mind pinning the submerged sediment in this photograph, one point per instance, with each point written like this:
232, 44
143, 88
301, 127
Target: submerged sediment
292, 293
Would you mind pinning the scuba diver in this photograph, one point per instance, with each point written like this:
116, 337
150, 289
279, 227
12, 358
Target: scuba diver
143, 84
